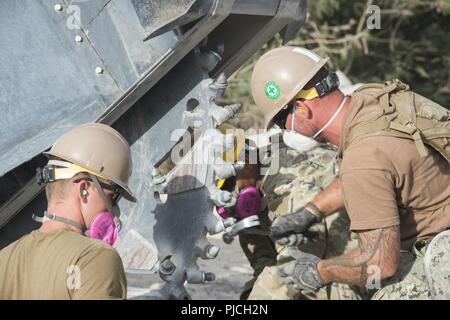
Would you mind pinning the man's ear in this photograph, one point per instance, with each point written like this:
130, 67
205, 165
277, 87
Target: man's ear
83, 190
302, 109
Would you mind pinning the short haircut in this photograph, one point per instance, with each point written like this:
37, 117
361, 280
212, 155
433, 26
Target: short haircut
59, 189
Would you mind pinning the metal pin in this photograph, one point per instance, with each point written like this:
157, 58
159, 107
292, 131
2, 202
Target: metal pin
58, 7
79, 39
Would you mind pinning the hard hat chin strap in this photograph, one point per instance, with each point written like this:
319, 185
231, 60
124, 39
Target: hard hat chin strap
52, 217
332, 118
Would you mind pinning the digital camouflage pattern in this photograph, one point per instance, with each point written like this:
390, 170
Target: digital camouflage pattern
410, 281
300, 177
437, 266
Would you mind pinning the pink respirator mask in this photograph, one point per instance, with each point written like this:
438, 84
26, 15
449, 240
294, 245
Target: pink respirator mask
245, 211
247, 204
105, 228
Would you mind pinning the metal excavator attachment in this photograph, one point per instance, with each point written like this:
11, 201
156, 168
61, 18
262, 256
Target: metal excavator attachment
152, 70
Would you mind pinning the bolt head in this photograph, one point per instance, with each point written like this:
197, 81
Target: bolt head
79, 39
213, 251
209, 276
58, 7
99, 70
167, 267
227, 238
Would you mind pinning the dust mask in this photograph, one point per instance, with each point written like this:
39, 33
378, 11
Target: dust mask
302, 143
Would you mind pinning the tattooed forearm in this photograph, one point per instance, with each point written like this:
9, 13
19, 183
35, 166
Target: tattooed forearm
369, 244
379, 247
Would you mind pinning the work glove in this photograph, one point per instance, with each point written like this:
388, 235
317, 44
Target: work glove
295, 239
289, 230
302, 273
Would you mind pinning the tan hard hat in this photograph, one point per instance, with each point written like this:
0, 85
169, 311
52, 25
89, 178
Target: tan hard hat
101, 150
279, 75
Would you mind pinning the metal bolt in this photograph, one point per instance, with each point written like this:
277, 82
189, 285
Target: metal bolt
79, 39
99, 70
212, 252
167, 267
209, 276
227, 238
58, 7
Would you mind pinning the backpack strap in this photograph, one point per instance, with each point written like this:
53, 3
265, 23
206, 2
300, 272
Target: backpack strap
348, 117
387, 126
382, 93
411, 130
378, 91
388, 122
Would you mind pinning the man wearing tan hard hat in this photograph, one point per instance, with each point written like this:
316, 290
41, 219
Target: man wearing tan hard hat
71, 255
396, 189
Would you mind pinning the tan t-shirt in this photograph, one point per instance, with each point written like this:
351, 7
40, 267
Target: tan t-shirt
61, 265
382, 174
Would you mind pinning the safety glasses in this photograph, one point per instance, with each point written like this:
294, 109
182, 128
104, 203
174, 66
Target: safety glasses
280, 118
307, 94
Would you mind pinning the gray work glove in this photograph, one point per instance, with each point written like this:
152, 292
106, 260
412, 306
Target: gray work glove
302, 273
289, 230
295, 240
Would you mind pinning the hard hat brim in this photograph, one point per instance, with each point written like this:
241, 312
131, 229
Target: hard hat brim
127, 194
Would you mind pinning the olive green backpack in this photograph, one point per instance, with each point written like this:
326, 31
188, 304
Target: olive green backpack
403, 114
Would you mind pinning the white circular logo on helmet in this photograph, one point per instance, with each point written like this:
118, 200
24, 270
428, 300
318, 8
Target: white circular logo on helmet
272, 90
